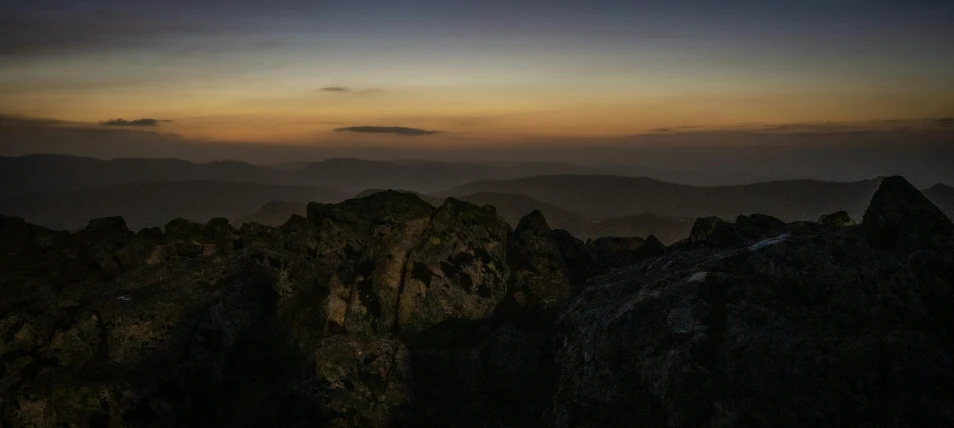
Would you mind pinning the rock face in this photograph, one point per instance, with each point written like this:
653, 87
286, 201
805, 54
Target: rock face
838, 219
458, 272
383, 311
613, 252
901, 217
541, 280
811, 327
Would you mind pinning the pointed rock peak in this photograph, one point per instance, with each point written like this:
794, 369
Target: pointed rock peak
534, 222
940, 187
838, 219
653, 247
295, 222
704, 227
901, 216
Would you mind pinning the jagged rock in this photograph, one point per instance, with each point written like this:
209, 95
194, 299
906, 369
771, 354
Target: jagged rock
219, 235
696, 337
157, 356
712, 230
541, 280
614, 252
578, 260
254, 235
899, 216
715, 232
364, 245
383, 311
653, 247
838, 219
184, 230
113, 228
458, 271
757, 226
363, 381
15, 235
150, 234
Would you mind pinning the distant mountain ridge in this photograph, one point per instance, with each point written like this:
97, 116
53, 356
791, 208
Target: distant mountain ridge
153, 204
601, 196
58, 191
44, 173
942, 196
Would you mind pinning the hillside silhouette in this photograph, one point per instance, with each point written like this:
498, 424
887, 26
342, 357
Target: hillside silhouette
153, 204
600, 197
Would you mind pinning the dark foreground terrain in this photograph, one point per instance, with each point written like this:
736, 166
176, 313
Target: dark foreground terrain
386, 311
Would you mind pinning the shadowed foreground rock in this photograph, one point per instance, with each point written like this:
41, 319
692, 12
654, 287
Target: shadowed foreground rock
383, 311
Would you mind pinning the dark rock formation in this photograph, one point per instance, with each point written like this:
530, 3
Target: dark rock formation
812, 327
614, 252
541, 280
901, 217
383, 311
838, 219
458, 271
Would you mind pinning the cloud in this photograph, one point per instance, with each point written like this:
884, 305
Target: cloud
345, 89
815, 128
395, 130
136, 122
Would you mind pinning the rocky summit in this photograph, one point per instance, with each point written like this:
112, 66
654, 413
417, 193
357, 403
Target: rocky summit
384, 311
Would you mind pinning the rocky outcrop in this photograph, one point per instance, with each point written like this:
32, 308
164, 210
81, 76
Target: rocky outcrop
838, 219
810, 327
362, 381
458, 271
384, 311
613, 252
715, 232
541, 279
901, 217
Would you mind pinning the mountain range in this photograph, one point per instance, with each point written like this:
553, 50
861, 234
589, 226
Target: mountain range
58, 173
66, 192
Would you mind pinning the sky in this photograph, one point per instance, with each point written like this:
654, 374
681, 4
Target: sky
494, 73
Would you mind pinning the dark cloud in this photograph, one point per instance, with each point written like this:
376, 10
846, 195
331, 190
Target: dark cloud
395, 130
814, 128
136, 122
345, 89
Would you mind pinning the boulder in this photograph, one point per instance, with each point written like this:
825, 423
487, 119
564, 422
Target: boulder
838, 219
458, 270
900, 217
541, 281
615, 252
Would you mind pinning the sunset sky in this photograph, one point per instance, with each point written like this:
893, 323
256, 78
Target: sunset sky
294, 71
